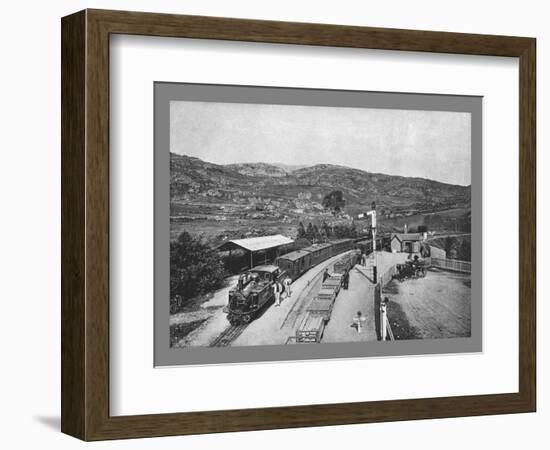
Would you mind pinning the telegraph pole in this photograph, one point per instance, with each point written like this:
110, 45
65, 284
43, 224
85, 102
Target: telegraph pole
372, 214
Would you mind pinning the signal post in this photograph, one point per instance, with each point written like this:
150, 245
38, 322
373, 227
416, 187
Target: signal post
372, 214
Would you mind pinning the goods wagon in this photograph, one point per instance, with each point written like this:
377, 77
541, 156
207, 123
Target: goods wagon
311, 329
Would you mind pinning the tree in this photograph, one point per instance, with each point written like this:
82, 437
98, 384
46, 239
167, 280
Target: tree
317, 234
301, 231
334, 201
449, 242
465, 250
309, 233
451, 247
195, 268
353, 230
326, 229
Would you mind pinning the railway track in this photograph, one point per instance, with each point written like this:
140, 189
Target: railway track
301, 303
228, 335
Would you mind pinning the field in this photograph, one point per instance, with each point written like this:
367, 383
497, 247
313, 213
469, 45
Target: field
449, 220
216, 228
218, 223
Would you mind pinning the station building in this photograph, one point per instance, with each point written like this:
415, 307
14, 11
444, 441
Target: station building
406, 242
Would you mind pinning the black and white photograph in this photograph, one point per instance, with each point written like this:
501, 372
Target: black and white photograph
268, 226
304, 225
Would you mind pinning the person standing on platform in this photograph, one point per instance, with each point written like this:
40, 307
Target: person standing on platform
346, 280
287, 282
277, 289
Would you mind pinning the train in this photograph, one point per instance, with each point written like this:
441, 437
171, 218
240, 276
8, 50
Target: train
298, 262
365, 245
254, 290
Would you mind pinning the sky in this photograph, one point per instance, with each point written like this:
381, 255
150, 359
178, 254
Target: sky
426, 144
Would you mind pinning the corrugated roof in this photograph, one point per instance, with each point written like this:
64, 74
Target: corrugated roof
315, 247
265, 268
260, 243
408, 236
293, 256
339, 241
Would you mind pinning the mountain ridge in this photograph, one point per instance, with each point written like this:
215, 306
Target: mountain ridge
195, 179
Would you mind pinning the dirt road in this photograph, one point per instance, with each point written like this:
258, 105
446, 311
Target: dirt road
437, 306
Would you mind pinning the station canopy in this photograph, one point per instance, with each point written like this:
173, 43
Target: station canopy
408, 236
256, 244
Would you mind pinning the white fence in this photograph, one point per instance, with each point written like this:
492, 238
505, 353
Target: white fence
385, 327
387, 276
452, 264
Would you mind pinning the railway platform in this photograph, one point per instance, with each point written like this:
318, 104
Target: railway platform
359, 297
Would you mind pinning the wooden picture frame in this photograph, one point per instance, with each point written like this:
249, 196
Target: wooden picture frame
85, 224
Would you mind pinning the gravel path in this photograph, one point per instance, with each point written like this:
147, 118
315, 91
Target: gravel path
434, 307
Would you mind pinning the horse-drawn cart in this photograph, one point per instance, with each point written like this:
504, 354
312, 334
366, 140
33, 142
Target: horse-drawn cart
411, 270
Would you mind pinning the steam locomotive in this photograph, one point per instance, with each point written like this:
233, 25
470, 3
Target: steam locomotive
254, 290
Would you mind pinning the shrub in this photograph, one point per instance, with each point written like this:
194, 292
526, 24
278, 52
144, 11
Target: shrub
334, 201
195, 268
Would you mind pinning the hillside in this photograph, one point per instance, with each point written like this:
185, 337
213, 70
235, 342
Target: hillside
258, 170
201, 190
264, 169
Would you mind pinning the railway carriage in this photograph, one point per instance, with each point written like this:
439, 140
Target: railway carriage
319, 253
341, 245
295, 263
365, 245
298, 262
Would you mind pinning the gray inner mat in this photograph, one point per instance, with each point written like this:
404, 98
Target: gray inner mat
165, 92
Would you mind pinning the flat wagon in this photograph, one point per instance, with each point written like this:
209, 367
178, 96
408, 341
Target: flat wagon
311, 329
345, 264
328, 293
321, 307
333, 282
